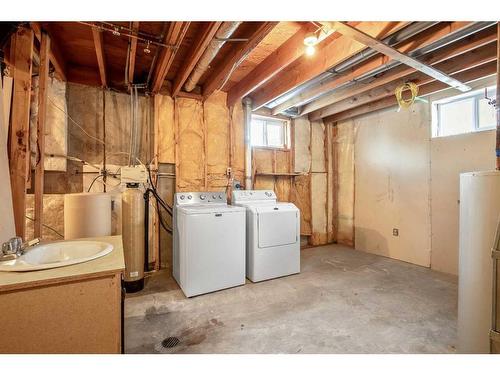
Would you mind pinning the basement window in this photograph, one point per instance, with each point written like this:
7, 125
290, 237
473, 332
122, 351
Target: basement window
269, 132
464, 113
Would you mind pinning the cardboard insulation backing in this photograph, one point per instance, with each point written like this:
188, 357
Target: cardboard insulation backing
56, 127
302, 130
190, 142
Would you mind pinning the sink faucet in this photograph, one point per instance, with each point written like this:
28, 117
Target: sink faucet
15, 247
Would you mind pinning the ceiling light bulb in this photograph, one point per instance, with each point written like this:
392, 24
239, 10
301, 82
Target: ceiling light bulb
310, 50
147, 51
116, 32
310, 39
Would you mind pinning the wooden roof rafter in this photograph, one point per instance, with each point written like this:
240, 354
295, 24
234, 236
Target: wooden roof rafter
174, 37
335, 50
55, 56
132, 54
99, 51
374, 43
205, 37
422, 39
222, 73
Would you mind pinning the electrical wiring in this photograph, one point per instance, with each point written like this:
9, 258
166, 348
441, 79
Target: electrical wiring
46, 226
92, 183
406, 103
74, 122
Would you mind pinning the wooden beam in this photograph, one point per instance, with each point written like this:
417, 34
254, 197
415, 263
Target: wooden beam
374, 90
205, 37
287, 53
43, 81
55, 55
479, 72
450, 51
133, 51
99, 51
19, 161
174, 37
422, 39
394, 54
222, 73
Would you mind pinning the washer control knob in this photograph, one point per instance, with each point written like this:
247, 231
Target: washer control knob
190, 196
182, 197
202, 197
214, 196
220, 196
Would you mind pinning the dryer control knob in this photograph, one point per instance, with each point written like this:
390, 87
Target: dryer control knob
182, 197
268, 193
202, 197
190, 196
214, 196
220, 196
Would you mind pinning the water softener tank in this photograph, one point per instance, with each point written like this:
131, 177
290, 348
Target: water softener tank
133, 237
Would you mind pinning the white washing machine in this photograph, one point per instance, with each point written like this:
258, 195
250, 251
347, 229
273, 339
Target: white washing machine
209, 243
273, 234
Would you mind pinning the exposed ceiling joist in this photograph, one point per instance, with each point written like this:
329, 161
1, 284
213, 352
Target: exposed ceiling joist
55, 55
222, 73
283, 56
421, 40
174, 37
448, 52
452, 66
333, 51
393, 53
99, 51
132, 54
205, 37
469, 75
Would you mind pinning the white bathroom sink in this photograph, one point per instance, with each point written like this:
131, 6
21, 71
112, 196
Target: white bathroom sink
57, 254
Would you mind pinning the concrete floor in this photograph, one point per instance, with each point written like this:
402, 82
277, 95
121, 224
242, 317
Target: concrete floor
343, 301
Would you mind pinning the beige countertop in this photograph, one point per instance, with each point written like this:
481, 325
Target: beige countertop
109, 264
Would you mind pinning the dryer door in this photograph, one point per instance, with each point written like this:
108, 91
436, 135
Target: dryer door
277, 225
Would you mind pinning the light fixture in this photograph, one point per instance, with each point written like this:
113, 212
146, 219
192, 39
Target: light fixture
147, 51
310, 50
116, 31
310, 41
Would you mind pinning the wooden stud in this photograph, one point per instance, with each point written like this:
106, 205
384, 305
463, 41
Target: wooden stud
99, 51
222, 73
421, 40
448, 52
43, 82
133, 52
156, 149
55, 55
287, 53
19, 156
429, 88
205, 37
394, 54
377, 88
330, 53
174, 37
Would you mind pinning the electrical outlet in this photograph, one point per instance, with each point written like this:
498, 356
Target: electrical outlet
229, 171
395, 232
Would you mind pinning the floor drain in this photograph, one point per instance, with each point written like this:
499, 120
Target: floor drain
170, 342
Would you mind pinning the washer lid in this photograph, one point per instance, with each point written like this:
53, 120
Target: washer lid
209, 208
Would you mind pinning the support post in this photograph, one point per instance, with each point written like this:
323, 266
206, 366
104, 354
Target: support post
22, 52
247, 109
43, 81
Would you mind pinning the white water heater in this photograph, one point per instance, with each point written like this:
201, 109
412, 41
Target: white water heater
479, 214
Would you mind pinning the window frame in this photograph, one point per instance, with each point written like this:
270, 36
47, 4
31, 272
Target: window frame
476, 95
285, 129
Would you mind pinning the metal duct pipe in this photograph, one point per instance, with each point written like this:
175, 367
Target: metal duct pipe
224, 32
247, 112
